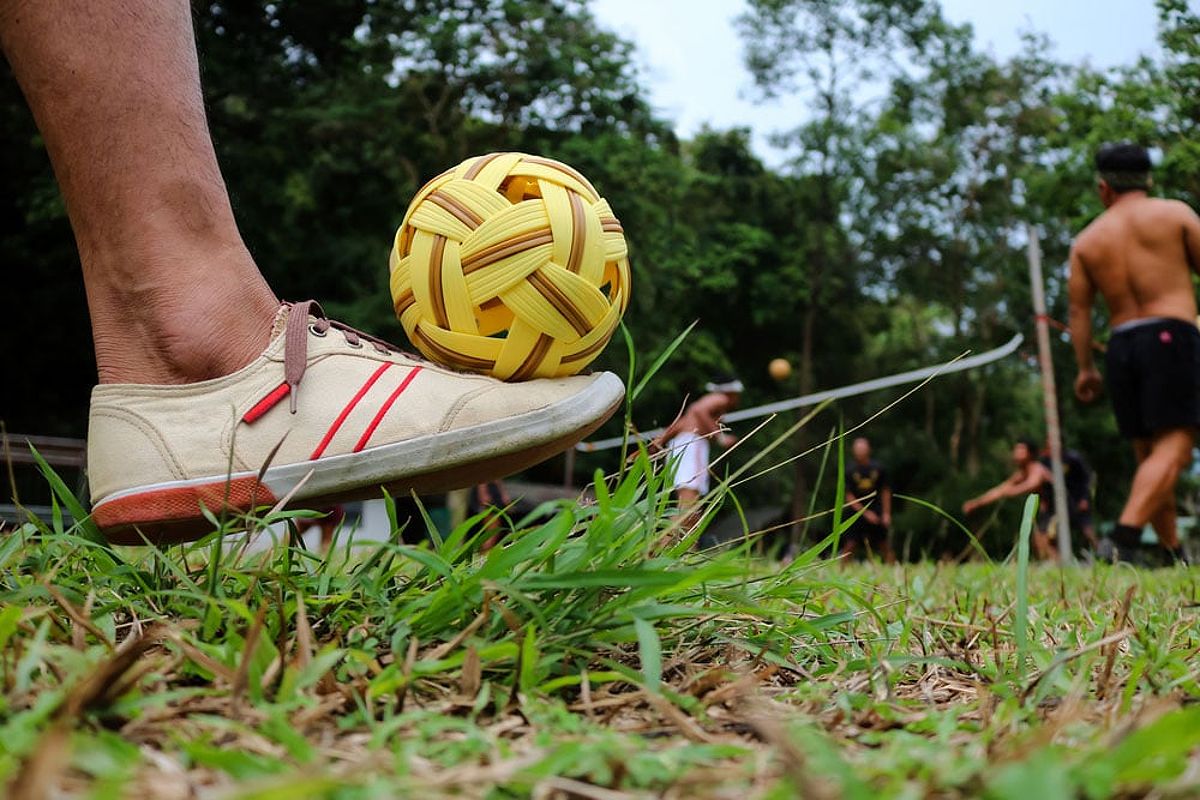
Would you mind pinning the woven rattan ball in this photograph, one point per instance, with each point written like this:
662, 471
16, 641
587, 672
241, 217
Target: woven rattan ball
510, 265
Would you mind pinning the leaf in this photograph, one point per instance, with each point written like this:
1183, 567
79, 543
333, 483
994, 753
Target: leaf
1157, 752
83, 520
609, 578
1041, 776
238, 764
650, 652
527, 680
9, 618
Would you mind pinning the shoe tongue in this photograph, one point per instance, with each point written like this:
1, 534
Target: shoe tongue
279, 324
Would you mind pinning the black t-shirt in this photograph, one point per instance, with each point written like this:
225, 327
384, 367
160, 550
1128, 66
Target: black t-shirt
863, 479
494, 498
1077, 476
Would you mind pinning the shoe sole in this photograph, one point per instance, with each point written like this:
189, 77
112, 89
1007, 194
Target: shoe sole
171, 513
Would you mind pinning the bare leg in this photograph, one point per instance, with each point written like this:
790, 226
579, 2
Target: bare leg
115, 89
1089, 533
687, 513
492, 528
1042, 547
1164, 518
1165, 521
849, 548
1152, 496
688, 500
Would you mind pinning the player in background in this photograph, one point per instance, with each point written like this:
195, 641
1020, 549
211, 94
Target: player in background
1077, 475
687, 440
1139, 255
1029, 476
868, 490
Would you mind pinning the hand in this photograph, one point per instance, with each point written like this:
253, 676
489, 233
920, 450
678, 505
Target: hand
871, 517
886, 520
726, 440
653, 448
1088, 385
1084, 505
969, 507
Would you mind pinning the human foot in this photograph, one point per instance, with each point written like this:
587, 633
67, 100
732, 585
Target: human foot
324, 414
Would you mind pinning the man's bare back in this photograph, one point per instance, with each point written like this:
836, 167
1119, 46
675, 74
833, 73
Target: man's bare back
1139, 255
702, 417
688, 439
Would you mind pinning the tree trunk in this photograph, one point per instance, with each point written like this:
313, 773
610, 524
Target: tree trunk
807, 327
975, 415
956, 435
798, 509
800, 440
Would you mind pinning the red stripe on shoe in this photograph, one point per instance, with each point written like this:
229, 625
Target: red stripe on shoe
266, 404
337, 423
383, 410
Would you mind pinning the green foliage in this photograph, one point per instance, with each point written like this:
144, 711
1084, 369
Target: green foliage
576, 652
892, 238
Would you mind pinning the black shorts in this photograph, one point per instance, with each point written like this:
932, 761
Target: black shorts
863, 532
1154, 377
1078, 521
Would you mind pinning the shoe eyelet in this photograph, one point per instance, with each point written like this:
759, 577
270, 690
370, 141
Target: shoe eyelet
312, 328
355, 345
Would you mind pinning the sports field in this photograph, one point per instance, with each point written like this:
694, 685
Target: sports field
576, 663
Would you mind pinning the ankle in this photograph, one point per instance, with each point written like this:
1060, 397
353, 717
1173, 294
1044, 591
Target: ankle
186, 318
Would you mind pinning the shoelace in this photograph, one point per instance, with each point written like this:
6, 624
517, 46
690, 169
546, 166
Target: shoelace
295, 344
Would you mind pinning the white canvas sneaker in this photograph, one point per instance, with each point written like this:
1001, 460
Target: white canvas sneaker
326, 414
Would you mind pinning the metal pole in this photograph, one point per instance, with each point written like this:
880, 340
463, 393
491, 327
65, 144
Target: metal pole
1050, 398
569, 469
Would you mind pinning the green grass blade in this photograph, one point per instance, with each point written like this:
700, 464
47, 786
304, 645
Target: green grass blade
83, 520
1021, 622
658, 363
650, 652
839, 497
979, 548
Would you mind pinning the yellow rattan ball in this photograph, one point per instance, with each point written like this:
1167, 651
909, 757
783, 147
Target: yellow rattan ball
510, 265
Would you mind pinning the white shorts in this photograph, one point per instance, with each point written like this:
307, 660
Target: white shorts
689, 454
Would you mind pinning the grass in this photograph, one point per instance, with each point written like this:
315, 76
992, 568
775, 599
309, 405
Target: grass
579, 661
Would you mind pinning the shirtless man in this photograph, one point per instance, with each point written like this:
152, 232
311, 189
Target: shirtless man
686, 439
1138, 254
1030, 476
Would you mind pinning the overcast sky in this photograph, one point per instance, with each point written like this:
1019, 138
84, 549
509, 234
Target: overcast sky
692, 57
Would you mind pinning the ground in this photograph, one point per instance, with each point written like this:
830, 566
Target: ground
579, 662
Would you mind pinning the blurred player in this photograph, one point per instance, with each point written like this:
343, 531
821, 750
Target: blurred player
1077, 475
491, 497
687, 440
868, 490
1030, 476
